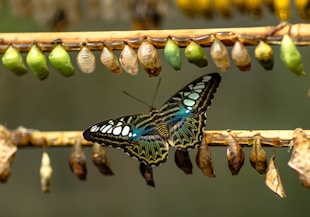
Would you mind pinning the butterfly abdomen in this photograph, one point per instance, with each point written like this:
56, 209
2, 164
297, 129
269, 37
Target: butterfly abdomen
160, 124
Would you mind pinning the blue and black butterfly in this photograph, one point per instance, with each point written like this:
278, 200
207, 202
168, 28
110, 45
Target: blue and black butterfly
178, 123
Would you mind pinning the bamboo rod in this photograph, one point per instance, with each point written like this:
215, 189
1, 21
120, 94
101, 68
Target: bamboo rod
277, 138
117, 39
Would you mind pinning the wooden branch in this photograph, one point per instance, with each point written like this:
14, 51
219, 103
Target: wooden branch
117, 39
277, 138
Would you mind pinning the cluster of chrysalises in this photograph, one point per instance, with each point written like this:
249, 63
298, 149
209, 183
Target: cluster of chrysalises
226, 8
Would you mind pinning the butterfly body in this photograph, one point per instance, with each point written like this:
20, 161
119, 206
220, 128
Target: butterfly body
178, 123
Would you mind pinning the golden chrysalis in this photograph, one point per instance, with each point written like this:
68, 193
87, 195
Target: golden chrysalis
109, 60
204, 159
235, 155
241, 57
100, 160
183, 161
258, 158
219, 55
300, 158
149, 59
273, 180
37, 62
147, 173
61, 61
77, 160
264, 55
46, 172
129, 60
13, 60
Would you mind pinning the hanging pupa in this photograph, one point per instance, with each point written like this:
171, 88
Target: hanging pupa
223, 7
149, 59
13, 60
264, 55
129, 60
187, 7
303, 9
46, 172
147, 173
282, 9
109, 60
273, 180
172, 54
77, 160
219, 54
61, 61
291, 56
204, 159
7, 153
300, 158
241, 57
183, 161
195, 54
235, 155
86, 60
37, 62
254, 7
100, 160
258, 158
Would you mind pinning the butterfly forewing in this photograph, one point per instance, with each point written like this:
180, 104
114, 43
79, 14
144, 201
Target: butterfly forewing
179, 122
184, 113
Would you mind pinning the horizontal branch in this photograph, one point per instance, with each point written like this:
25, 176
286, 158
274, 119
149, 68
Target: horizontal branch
117, 39
278, 138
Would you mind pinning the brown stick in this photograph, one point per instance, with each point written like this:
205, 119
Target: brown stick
116, 39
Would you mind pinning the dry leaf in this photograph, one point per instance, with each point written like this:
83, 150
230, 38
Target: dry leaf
147, 173
258, 158
300, 159
204, 159
7, 152
46, 172
183, 161
100, 160
235, 155
273, 180
77, 161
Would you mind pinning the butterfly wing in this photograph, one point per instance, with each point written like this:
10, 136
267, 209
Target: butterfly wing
136, 135
185, 112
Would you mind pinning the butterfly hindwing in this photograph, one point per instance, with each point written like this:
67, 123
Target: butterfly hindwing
184, 113
135, 134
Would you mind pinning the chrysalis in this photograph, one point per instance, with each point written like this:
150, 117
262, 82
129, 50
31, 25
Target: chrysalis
13, 60
254, 7
258, 158
100, 160
149, 59
129, 60
7, 153
46, 172
291, 56
282, 9
204, 159
219, 54
86, 60
37, 62
186, 7
300, 158
195, 54
147, 173
241, 57
183, 161
303, 9
172, 54
235, 155
273, 180
60, 60
264, 55
77, 161
109, 60
223, 7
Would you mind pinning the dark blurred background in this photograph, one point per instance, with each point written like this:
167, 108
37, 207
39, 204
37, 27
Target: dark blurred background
257, 99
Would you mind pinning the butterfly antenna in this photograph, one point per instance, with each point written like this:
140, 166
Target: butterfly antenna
139, 100
156, 91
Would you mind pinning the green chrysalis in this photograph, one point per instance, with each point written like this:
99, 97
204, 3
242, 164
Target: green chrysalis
13, 60
172, 54
194, 54
37, 62
60, 60
264, 55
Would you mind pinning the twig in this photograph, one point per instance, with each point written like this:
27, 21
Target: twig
278, 138
117, 39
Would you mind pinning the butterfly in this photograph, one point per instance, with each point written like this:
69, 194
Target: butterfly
178, 123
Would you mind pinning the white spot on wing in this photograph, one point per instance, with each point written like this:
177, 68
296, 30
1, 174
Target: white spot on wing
117, 130
125, 131
94, 128
188, 102
193, 96
106, 128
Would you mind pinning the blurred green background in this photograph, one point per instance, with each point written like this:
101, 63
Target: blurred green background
255, 100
